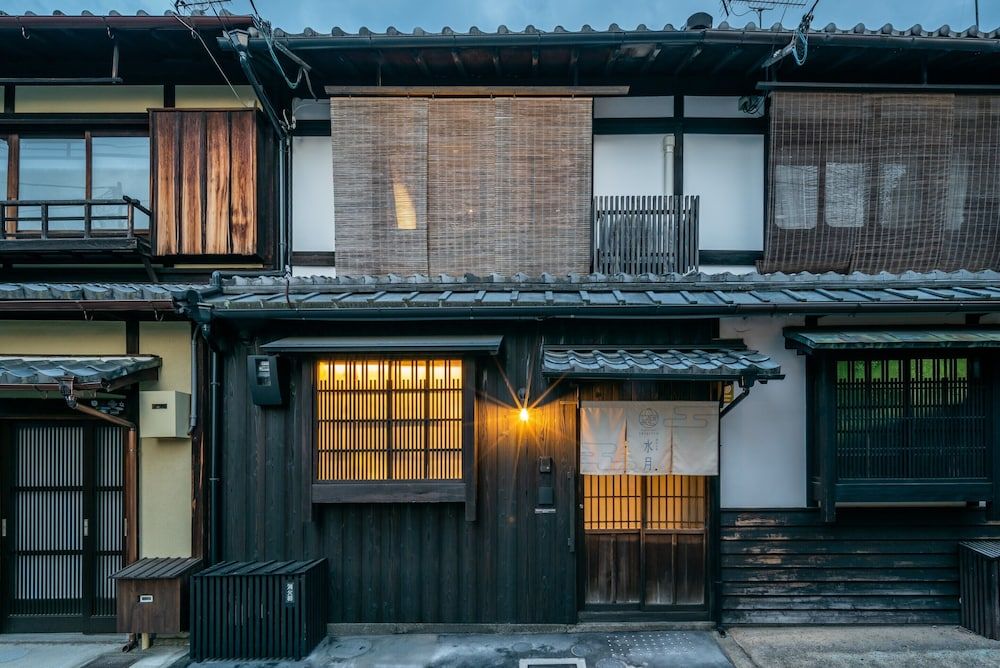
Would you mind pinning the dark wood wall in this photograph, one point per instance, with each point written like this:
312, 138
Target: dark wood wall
874, 565
425, 562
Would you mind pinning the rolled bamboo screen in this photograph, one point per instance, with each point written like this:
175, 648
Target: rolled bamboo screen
883, 182
494, 185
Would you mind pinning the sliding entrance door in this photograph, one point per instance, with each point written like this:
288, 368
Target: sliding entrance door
63, 525
645, 542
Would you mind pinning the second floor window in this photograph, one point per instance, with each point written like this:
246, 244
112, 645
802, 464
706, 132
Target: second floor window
63, 171
385, 419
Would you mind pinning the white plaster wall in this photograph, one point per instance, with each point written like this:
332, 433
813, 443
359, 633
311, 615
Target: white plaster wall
763, 462
727, 171
629, 165
633, 107
312, 194
310, 110
716, 106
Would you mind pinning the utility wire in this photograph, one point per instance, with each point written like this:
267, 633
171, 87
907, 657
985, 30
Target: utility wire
177, 15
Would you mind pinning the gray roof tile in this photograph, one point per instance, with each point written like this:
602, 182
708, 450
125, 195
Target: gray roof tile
86, 370
723, 363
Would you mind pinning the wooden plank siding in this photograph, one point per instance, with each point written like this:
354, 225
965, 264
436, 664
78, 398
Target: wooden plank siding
424, 562
874, 565
209, 192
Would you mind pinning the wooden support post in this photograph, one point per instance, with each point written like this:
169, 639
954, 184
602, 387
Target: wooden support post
826, 438
145, 641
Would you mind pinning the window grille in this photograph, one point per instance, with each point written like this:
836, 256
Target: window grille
388, 419
918, 417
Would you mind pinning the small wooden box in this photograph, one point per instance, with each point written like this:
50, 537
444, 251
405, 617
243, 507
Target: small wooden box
153, 595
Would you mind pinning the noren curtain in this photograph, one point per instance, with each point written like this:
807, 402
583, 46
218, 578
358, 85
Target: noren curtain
883, 182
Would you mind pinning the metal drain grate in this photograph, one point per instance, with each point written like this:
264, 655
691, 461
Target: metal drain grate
553, 663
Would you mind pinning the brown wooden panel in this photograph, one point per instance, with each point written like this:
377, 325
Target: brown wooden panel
219, 176
205, 188
243, 147
192, 183
164, 134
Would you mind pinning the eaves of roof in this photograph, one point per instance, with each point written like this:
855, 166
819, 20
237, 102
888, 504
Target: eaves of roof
28, 297
594, 295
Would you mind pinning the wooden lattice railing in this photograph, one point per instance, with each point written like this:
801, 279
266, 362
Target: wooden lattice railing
637, 234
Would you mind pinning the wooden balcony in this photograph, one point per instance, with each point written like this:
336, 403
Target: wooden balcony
106, 228
636, 234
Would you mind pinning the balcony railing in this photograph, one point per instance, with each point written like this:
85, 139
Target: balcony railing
636, 234
71, 225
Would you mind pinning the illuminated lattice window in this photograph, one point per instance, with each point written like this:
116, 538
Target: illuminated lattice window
388, 419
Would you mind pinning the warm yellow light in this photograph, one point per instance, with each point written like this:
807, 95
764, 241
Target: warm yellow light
523, 415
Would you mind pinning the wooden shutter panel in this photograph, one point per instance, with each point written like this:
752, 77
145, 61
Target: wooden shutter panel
205, 174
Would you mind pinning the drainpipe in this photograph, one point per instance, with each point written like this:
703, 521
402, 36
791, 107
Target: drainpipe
213, 466
284, 146
193, 422
668, 165
131, 472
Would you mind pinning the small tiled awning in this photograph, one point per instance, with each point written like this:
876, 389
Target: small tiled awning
706, 363
386, 344
88, 372
809, 340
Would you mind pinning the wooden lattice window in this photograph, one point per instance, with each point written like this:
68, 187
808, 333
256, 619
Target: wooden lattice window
389, 420
902, 417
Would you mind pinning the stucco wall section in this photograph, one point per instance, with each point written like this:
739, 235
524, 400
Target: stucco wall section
763, 463
61, 337
165, 463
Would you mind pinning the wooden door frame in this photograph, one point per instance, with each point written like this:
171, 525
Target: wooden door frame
86, 622
637, 612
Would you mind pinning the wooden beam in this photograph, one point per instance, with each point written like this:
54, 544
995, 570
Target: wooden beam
475, 91
725, 60
459, 65
689, 58
650, 59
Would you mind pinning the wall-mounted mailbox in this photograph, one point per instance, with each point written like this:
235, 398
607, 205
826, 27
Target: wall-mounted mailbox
164, 414
265, 378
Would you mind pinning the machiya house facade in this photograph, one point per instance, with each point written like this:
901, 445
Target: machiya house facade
575, 326
128, 170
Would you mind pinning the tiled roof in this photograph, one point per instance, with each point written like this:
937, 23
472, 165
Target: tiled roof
705, 364
448, 296
86, 370
777, 28
93, 291
886, 337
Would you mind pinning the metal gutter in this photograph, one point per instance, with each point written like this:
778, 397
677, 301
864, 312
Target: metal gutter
82, 305
617, 39
587, 312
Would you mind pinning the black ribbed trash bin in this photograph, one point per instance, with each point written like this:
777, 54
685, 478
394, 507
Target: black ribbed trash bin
258, 610
979, 586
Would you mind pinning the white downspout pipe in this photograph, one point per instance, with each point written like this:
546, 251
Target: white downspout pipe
668, 165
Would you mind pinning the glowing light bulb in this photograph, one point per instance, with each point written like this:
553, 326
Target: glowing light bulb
523, 415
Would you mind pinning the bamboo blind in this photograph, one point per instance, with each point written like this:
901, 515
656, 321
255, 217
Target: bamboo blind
388, 419
497, 185
883, 182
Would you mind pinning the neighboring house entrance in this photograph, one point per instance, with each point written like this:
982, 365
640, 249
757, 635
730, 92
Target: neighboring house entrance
63, 525
645, 542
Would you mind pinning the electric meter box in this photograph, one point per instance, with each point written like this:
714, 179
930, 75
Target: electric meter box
265, 375
164, 414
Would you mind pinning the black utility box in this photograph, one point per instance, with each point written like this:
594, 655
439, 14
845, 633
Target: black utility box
979, 586
258, 610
